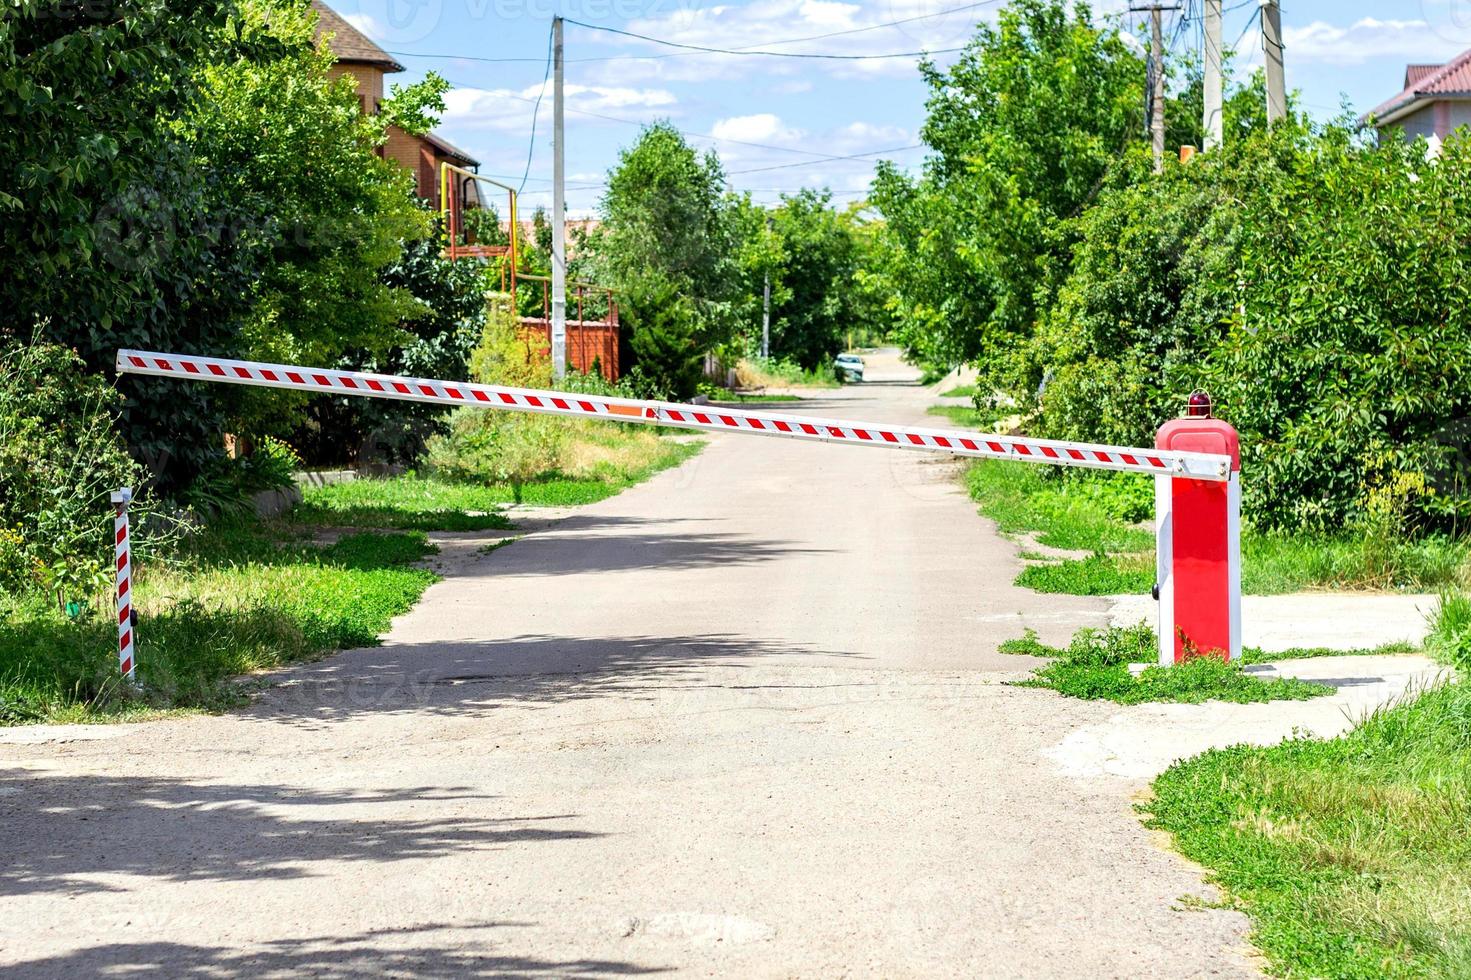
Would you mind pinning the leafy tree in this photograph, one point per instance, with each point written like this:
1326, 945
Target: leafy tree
436, 343
110, 233
665, 238
817, 275
663, 214
1024, 128
184, 176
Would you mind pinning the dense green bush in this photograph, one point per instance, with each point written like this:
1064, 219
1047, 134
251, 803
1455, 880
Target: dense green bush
60, 457
1316, 287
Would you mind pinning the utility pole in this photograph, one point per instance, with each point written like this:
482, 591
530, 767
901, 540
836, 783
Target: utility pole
1272, 51
1157, 90
1212, 120
766, 305
559, 212
1154, 96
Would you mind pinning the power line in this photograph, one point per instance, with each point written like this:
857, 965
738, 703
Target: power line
749, 49
835, 159
531, 143
819, 157
763, 53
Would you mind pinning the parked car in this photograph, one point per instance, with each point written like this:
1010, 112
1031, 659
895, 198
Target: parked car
848, 367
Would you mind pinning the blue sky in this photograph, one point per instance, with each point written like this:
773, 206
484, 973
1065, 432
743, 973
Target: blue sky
774, 120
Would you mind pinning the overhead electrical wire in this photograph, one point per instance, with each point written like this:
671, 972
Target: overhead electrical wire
763, 53
536, 111
749, 49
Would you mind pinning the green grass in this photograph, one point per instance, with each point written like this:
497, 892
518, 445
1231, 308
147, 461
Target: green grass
427, 503
967, 416
1352, 855
1107, 515
1095, 667
747, 398
404, 503
960, 391
237, 599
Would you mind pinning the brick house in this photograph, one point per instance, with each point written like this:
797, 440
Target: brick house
367, 64
1435, 102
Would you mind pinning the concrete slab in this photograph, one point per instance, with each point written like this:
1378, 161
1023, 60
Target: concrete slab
1141, 741
1331, 620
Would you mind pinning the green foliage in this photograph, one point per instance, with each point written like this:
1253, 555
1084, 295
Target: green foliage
236, 600
183, 176
1095, 666
1450, 634
60, 458
227, 485
435, 342
665, 336
1311, 284
404, 503
1024, 126
818, 296
665, 235
1350, 854
413, 108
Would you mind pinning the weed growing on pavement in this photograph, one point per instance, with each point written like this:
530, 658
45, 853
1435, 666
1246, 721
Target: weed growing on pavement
241, 597
1095, 667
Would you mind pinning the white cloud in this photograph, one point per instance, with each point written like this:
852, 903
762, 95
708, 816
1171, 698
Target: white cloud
1413, 40
504, 109
763, 127
366, 24
762, 24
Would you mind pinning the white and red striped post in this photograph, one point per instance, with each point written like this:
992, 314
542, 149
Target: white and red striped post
126, 662
1198, 552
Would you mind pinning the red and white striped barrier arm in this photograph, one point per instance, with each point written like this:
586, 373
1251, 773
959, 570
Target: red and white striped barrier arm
126, 662
1198, 466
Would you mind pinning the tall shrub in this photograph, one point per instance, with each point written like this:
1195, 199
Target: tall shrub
60, 457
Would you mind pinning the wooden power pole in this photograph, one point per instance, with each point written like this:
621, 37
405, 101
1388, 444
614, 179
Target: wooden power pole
1213, 79
1272, 52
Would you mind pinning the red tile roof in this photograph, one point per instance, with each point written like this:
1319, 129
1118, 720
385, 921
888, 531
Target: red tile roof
348, 44
1427, 83
1415, 74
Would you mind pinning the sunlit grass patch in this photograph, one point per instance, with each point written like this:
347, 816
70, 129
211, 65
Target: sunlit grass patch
239, 599
1095, 667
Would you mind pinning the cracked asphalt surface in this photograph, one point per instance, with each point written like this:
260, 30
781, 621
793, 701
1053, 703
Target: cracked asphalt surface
746, 719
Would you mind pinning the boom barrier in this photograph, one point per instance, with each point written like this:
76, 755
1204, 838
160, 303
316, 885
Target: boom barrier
1197, 474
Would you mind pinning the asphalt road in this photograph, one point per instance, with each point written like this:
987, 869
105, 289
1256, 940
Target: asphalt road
746, 719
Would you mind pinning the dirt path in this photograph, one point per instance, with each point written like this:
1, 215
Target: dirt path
745, 720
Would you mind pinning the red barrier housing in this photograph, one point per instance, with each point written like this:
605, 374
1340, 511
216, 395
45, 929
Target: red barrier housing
1198, 527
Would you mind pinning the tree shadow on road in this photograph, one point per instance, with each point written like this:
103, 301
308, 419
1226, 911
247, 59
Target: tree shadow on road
466, 677
64, 829
379, 953
586, 545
